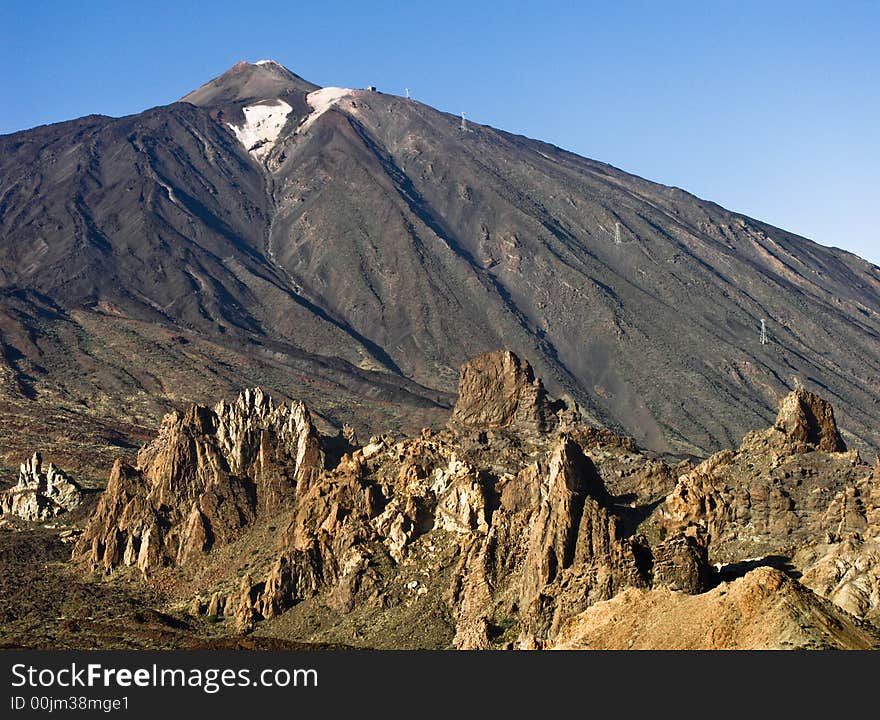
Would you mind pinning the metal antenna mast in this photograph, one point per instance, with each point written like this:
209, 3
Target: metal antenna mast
764, 340
463, 123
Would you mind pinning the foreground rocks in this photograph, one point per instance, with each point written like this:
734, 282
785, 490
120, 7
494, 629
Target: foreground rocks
41, 492
509, 529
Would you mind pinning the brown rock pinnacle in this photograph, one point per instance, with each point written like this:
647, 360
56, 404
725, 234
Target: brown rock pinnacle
806, 418
499, 390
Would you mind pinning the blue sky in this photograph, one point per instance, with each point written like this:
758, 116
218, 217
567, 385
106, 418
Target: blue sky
768, 108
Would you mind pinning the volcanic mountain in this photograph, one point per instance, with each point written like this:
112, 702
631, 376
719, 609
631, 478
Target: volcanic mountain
352, 248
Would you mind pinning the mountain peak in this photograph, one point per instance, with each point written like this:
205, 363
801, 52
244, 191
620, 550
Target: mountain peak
268, 65
246, 81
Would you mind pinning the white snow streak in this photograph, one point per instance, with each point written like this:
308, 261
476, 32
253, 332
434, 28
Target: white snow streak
262, 125
321, 101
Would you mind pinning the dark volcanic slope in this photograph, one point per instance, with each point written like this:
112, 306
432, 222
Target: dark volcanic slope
379, 239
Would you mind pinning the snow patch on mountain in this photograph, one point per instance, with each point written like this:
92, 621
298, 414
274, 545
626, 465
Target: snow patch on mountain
262, 125
321, 101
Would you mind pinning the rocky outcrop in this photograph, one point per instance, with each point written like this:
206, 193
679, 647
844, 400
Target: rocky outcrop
499, 390
556, 545
786, 485
208, 474
40, 493
807, 420
577, 553
844, 566
530, 549
789, 496
682, 563
350, 532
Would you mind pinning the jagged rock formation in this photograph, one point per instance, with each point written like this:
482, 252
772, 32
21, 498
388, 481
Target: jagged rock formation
524, 550
40, 493
776, 490
537, 539
497, 536
209, 473
554, 546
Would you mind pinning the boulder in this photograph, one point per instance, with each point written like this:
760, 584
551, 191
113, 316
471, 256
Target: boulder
682, 563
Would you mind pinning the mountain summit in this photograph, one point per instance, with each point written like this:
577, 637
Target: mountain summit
249, 81
353, 248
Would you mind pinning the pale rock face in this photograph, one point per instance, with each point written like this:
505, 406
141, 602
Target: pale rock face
396, 528
846, 569
848, 574
372, 448
461, 499
40, 493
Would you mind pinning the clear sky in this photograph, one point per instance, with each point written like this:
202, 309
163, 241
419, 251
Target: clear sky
770, 108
